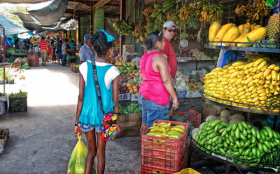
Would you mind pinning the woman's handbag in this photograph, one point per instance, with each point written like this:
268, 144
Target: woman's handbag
109, 124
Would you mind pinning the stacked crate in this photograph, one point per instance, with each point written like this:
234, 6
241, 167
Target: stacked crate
164, 154
32, 62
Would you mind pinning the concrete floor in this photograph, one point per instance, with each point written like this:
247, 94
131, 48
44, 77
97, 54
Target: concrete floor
42, 139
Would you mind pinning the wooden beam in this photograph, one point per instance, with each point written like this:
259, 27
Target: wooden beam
100, 4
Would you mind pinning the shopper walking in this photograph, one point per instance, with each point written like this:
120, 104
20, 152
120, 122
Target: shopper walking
65, 47
156, 88
43, 50
86, 51
89, 117
59, 50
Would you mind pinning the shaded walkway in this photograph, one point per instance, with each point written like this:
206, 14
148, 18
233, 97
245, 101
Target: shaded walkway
42, 139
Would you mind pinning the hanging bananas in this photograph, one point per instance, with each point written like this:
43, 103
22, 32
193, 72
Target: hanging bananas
242, 9
139, 30
123, 27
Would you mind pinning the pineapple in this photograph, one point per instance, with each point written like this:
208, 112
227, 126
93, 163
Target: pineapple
273, 26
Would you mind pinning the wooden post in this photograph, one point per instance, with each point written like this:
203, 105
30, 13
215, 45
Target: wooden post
122, 17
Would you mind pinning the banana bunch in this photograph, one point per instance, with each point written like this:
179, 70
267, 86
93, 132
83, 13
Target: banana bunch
262, 8
123, 27
184, 13
242, 9
139, 30
117, 42
169, 6
246, 82
164, 130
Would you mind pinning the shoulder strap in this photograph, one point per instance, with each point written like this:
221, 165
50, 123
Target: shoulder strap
97, 86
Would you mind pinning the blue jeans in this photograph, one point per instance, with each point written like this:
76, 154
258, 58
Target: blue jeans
152, 111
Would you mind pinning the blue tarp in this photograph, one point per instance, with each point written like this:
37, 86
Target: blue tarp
11, 27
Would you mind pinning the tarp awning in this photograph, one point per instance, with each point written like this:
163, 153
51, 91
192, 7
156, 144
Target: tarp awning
11, 27
23, 1
50, 14
28, 21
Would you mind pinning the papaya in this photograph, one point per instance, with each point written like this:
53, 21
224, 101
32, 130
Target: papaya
230, 35
222, 32
238, 39
245, 31
240, 28
252, 26
213, 30
257, 26
254, 36
246, 25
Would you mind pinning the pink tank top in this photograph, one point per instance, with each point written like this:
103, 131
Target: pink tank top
152, 86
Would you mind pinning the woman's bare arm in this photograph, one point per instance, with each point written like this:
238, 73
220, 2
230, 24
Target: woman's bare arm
80, 103
115, 99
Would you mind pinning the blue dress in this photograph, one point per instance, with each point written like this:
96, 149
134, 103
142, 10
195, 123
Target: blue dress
91, 112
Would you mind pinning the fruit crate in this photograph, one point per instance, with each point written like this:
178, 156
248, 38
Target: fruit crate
17, 64
3, 139
195, 120
151, 170
165, 155
18, 104
123, 97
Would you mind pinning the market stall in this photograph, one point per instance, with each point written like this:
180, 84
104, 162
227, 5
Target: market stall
228, 57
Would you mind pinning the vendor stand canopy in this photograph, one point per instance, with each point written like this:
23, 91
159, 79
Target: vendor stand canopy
11, 27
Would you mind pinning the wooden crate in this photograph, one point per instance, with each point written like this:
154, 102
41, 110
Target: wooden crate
3, 141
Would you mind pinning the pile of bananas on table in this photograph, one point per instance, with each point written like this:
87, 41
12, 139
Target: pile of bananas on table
123, 27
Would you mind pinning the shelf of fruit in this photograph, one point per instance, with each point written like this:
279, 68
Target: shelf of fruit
246, 37
130, 83
239, 143
251, 86
126, 67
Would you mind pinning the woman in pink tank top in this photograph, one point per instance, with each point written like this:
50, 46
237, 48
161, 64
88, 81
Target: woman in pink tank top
156, 89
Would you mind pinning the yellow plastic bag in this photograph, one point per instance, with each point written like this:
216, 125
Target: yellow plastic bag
78, 159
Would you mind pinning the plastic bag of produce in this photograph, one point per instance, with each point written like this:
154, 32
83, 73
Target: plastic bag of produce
78, 159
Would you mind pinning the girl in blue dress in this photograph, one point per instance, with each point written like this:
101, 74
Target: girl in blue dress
89, 117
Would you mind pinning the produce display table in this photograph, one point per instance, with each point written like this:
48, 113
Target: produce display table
229, 162
269, 50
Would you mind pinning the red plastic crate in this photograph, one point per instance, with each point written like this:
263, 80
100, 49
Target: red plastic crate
31, 64
149, 170
17, 64
163, 155
195, 120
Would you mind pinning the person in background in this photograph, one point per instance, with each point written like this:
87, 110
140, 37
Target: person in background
79, 45
36, 49
72, 44
27, 44
169, 29
17, 44
88, 116
64, 48
86, 51
43, 50
59, 49
49, 54
157, 86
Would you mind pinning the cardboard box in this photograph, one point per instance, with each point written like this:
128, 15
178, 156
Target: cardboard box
3, 141
211, 110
